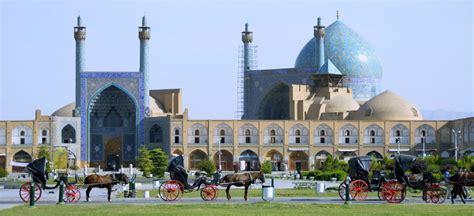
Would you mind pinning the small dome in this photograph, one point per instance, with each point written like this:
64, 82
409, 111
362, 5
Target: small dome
387, 106
156, 108
341, 103
65, 111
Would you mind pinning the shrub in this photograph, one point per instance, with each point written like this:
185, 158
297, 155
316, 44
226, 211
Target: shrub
207, 166
267, 167
418, 166
160, 162
3, 173
45, 152
145, 164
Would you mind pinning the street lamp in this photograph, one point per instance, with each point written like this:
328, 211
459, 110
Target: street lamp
219, 153
456, 143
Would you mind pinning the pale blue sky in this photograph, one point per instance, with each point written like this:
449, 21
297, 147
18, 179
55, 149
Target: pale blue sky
425, 47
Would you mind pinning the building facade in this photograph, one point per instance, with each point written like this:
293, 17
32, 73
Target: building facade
329, 104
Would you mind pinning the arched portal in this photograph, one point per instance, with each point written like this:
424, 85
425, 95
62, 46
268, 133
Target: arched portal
299, 161
21, 157
249, 161
276, 104
375, 155
320, 158
226, 160
277, 160
112, 128
195, 158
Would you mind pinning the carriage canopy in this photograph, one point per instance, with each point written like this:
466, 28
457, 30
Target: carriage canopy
359, 166
404, 162
37, 168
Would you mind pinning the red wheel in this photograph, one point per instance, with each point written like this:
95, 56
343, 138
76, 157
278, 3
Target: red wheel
342, 191
436, 194
171, 190
359, 190
393, 191
25, 192
209, 193
72, 194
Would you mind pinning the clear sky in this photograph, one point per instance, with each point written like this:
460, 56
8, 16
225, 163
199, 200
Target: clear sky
425, 47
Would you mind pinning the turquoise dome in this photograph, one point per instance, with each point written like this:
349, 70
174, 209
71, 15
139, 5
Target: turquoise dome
351, 54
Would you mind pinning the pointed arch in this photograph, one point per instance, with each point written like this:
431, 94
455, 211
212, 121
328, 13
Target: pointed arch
249, 161
276, 103
323, 134
298, 161
226, 161
276, 158
373, 134
248, 134
348, 134
273, 134
156, 134
68, 134
425, 134
195, 158
399, 134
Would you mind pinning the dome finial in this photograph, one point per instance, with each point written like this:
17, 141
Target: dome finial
337, 14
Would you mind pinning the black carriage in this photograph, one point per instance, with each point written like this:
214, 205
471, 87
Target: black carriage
37, 169
394, 191
360, 184
173, 189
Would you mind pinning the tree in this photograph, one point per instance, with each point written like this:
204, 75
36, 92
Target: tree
207, 166
267, 167
44, 151
160, 162
145, 164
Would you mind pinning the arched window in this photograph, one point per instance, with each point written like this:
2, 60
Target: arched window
22, 137
323, 134
43, 137
177, 133
223, 134
425, 134
68, 134
222, 138
298, 134
196, 132
398, 133
414, 111
348, 134
156, 134
272, 136
247, 136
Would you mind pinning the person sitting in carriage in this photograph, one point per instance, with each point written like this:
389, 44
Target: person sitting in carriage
178, 173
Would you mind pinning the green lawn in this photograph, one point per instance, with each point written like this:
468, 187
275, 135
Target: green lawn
258, 193
243, 209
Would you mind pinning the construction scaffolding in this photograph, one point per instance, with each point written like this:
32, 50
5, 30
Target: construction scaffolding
253, 65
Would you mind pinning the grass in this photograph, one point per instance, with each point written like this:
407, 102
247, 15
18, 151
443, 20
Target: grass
258, 193
243, 209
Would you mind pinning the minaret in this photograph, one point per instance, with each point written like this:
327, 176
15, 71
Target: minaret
80, 37
319, 33
247, 38
144, 36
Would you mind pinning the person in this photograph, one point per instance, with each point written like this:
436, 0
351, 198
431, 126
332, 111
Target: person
446, 176
465, 189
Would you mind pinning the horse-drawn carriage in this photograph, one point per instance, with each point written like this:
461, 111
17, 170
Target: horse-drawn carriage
37, 169
361, 185
394, 191
173, 189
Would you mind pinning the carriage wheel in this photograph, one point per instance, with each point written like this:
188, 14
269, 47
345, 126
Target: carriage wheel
342, 191
380, 194
359, 190
393, 191
209, 193
436, 194
72, 194
171, 190
25, 191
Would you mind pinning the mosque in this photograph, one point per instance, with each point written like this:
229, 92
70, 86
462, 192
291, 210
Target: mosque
330, 104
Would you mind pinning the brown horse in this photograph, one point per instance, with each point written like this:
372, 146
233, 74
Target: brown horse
106, 181
459, 181
241, 179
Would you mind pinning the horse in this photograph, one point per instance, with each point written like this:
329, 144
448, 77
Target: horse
106, 181
459, 181
241, 179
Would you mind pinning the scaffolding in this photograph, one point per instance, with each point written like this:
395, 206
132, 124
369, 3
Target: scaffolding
253, 65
